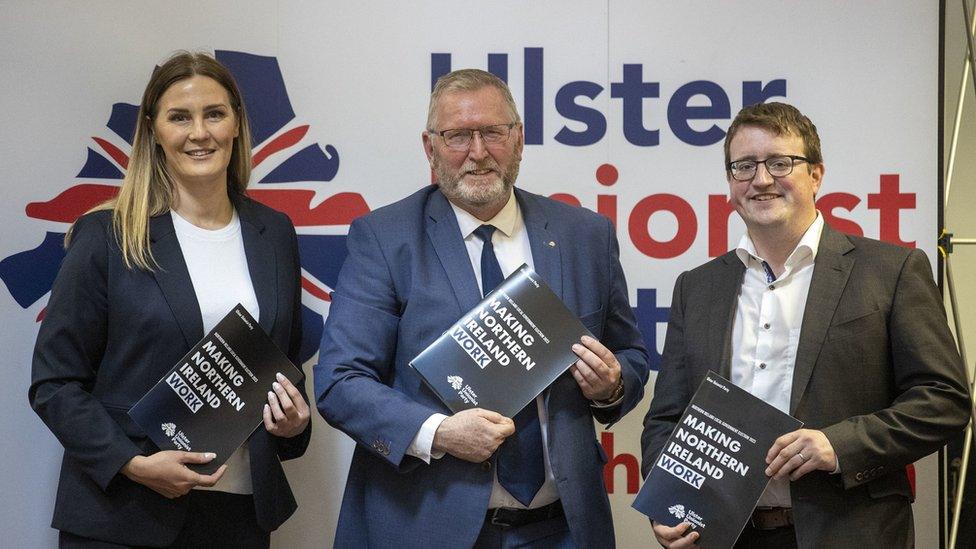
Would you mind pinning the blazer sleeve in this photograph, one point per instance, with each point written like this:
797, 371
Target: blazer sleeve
357, 358
293, 447
69, 348
932, 401
623, 338
671, 394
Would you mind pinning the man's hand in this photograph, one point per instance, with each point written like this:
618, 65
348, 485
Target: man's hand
675, 537
597, 371
799, 452
286, 414
166, 473
472, 435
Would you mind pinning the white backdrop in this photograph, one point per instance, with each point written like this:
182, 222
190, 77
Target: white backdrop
643, 88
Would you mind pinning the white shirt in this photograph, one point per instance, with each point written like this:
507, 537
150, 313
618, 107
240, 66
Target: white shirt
766, 330
511, 245
218, 271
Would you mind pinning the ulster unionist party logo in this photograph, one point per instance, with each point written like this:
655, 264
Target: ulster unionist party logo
291, 173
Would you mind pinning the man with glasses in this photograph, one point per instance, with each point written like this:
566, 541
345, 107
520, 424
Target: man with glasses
845, 333
419, 476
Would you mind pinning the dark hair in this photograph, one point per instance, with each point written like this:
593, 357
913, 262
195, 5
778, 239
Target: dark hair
779, 118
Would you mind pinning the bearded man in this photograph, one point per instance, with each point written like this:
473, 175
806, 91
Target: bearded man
421, 476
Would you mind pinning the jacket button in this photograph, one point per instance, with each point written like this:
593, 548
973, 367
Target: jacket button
486, 465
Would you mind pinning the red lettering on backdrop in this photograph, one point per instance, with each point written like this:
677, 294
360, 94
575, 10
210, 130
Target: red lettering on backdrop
606, 204
640, 233
719, 210
566, 198
829, 202
889, 201
629, 461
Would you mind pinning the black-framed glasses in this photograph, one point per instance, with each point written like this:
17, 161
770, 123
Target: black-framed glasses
777, 166
460, 138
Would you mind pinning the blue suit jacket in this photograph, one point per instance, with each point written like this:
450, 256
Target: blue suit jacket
111, 333
407, 278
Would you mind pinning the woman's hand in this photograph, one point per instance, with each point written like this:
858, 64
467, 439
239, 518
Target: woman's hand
286, 413
166, 472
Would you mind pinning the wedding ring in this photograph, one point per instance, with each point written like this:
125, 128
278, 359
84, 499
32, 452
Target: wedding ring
801, 456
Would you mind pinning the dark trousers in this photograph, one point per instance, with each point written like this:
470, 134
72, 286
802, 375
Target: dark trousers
545, 534
778, 538
213, 519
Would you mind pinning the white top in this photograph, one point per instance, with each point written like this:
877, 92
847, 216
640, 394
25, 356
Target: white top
218, 271
511, 244
766, 330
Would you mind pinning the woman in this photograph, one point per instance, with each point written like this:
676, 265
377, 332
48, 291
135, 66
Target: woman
145, 277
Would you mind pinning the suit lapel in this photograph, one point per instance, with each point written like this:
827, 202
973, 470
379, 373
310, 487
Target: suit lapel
543, 243
445, 237
726, 285
262, 262
546, 257
173, 278
831, 270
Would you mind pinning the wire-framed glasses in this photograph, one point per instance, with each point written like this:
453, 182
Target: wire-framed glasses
460, 138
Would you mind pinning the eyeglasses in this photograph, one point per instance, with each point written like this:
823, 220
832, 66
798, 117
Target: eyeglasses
777, 166
460, 139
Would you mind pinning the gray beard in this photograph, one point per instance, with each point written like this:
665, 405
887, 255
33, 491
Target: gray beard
499, 191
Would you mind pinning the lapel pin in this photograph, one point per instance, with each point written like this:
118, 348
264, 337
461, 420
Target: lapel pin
551, 243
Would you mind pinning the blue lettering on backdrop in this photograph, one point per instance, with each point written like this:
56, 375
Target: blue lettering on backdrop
632, 91
574, 102
649, 316
680, 112
566, 105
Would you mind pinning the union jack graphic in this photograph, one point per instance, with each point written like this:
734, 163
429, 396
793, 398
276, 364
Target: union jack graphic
290, 173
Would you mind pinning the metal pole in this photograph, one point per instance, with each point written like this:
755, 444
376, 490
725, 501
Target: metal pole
960, 489
957, 123
967, 443
971, 53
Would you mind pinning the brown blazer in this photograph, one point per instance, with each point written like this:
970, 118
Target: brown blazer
876, 370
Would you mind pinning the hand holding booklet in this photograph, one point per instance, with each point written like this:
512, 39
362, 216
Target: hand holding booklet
213, 398
712, 469
504, 352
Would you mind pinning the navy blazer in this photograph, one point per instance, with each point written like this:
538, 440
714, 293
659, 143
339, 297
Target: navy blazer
111, 333
407, 278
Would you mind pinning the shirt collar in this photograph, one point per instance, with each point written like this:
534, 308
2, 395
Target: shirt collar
505, 220
807, 247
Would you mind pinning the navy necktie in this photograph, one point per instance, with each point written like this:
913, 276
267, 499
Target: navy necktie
520, 467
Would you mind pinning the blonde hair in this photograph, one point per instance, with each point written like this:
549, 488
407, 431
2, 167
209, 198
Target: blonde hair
147, 188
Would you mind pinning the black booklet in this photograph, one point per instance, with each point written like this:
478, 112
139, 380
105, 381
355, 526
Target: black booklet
712, 469
504, 352
214, 397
